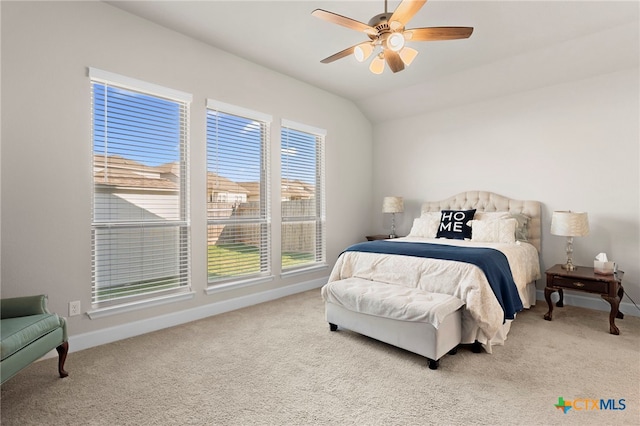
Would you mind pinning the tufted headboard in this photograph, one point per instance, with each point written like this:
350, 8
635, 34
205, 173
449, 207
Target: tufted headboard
490, 202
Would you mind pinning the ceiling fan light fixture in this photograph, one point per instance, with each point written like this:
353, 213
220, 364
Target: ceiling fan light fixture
388, 31
408, 55
377, 64
395, 25
363, 51
395, 42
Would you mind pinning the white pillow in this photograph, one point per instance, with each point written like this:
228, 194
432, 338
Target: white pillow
431, 215
425, 227
491, 215
493, 231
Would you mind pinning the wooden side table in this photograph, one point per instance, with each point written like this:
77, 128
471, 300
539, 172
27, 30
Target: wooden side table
377, 237
584, 279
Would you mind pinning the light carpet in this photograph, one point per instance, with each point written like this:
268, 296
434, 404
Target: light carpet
277, 363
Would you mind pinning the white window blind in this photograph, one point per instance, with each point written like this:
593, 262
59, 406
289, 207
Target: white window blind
238, 216
302, 180
140, 216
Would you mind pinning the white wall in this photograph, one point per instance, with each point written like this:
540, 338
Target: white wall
573, 146
46, 143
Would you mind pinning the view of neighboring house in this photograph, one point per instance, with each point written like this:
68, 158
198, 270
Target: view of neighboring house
128, 190
223, 190
130, 175
296, 190
132, 191
116, 171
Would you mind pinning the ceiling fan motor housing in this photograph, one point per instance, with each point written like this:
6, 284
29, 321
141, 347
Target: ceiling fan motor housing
381, 18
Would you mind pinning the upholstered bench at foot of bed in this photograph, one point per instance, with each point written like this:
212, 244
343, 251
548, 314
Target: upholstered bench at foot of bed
428, 324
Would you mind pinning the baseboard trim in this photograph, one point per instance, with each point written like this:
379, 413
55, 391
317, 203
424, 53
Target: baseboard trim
124, 331
594, 302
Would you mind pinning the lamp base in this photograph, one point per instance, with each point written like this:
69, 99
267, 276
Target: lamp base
569, 249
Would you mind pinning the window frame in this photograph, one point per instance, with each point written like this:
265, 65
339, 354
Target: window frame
264, 220
319, 216
181, 255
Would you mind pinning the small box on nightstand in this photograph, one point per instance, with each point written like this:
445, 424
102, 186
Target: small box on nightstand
604, 268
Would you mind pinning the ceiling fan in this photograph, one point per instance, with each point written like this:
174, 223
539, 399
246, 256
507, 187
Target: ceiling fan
387, 30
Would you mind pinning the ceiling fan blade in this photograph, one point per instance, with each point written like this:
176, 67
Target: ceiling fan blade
393, 60
346, 52
405, 10
438, 33
344, 21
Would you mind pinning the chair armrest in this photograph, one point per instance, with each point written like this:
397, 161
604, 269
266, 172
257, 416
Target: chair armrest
23, 306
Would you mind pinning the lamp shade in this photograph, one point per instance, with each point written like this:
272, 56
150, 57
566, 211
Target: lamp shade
569, 224
408, 55
363, 51
392, 205
395, 42
377, 64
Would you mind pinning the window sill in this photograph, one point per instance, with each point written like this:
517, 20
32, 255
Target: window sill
137, 305
226, 286
314, 268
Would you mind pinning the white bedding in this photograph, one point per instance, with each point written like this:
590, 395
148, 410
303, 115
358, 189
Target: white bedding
483, 316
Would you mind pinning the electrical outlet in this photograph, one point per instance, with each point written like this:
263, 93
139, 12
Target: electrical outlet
74, 308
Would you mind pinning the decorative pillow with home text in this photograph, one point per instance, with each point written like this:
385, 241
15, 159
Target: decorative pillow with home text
453, 224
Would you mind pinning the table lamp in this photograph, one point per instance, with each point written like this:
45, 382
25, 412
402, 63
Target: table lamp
569, 224
392, 205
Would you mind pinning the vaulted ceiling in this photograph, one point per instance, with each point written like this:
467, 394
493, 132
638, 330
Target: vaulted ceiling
516, 45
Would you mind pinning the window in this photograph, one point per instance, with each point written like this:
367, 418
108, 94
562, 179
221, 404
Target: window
238, 216
302, 180
140, 217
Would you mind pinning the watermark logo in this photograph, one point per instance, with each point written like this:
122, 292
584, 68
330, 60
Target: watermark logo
590, 404
563, 405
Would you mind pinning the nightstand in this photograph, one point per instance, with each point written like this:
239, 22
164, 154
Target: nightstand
377, 237
584, 279
380, 237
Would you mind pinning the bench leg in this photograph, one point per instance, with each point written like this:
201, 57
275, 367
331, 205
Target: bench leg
333, 327
63, 349
435, 363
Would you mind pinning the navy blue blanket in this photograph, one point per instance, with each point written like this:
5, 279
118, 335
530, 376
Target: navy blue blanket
493, 263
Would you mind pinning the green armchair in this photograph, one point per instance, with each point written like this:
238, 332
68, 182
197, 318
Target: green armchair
28, 331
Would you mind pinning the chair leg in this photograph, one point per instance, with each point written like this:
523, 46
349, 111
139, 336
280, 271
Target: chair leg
63, 349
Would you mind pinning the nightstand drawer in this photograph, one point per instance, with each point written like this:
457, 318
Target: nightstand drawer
599, 287
377, 237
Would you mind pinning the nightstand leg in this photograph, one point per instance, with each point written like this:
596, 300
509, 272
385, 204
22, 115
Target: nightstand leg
560, 302
615, 303
547, 296
620, 296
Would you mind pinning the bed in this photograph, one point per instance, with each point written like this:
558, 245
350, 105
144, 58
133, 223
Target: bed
511, 227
